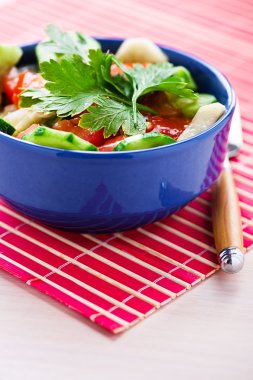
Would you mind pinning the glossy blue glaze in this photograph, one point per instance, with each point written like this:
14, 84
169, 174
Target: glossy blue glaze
107, 192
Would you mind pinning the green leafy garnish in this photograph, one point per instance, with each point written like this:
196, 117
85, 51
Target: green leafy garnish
111, 115
111, 102
70, 89
64, 43
155, 77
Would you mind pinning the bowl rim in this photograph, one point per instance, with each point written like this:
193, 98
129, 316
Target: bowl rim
225, 117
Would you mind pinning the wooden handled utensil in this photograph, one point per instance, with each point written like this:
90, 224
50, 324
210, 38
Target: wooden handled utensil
226, 213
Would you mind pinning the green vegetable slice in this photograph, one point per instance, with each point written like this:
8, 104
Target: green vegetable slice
145, 141
6, 127
9, 57
189, 107
58, 139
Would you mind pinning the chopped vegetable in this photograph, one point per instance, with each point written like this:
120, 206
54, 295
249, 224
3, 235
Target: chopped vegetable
9, 57
71, 125
111, 143
6, 127
24, 118
145, 141
14, 83
189, 107
31, 128
57, 139
170, 126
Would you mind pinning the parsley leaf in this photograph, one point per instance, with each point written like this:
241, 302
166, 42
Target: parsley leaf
64, 43
112, 115
71, 87
158, 77
155, 77
102, 62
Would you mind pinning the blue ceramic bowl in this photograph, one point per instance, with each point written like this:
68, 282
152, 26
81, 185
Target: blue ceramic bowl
107, 192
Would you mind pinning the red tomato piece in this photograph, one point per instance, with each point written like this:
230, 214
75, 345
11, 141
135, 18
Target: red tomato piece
14, 83
115, 70
10, 81
170, 126
111, 143
71, 125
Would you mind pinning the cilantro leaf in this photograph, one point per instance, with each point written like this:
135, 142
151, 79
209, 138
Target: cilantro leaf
112, 115
64, 43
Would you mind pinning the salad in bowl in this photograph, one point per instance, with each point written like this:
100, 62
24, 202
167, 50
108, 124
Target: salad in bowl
105, 135
81, 98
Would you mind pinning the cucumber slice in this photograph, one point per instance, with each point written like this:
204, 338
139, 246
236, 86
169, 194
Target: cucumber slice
57, 139
9, 57
146, 141
6, 127
186, 76
189, 107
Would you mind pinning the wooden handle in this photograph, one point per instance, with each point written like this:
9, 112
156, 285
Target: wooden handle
226, 213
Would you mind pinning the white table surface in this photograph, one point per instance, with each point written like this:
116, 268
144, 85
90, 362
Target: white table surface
205, 334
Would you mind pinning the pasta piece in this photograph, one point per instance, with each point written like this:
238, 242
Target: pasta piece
140, 50
205, 117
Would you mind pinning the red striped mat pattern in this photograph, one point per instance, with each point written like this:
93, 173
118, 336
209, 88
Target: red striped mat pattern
117, 280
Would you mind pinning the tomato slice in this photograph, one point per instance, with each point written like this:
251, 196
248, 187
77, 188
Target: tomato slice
71, 125
115, 70
14, 83
10, 81
170, 126
111, 143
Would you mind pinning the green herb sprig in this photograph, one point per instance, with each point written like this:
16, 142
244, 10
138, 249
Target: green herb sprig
74, 85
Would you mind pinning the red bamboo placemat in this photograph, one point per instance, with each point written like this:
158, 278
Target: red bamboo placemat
117, 280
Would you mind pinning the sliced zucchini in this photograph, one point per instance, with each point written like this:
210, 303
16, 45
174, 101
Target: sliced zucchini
57, 139
145, 141
6, 127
